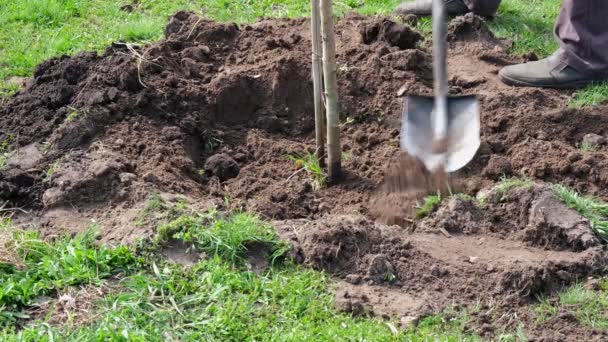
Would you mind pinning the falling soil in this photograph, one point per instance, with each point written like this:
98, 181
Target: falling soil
212, 112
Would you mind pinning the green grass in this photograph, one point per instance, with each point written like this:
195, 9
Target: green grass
529, 23
227, 238
544, 310
73, 114
505, 185
590, 96
50, 267
217, 299
428, 205
588, 306
8, 89
591, 208
587, 147
308, 162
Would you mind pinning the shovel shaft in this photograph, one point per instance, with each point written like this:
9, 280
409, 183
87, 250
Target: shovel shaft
440, 113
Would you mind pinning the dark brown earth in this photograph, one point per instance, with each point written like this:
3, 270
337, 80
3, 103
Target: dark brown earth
211, 113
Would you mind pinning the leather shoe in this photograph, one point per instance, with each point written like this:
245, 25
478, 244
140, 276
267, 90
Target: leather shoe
551, 72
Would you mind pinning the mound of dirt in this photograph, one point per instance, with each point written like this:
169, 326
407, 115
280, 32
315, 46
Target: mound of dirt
401, 36
459, 255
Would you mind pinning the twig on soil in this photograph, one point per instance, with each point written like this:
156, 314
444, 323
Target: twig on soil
194, 27
14, 209
140, 59
445, 232
295, 173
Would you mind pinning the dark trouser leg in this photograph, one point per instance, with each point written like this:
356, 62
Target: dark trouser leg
483, 7
582, 28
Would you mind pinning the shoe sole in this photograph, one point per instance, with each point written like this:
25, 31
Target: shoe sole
570, 85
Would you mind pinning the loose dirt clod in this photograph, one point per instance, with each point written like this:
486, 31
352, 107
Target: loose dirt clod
222, 166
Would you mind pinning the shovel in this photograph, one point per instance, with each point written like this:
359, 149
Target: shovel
443, 132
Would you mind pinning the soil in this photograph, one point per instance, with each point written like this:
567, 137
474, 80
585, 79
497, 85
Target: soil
212, 111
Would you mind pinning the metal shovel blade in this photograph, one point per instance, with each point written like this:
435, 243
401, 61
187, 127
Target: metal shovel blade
463, 132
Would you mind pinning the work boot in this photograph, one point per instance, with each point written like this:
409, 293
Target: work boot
551, 72
425, 7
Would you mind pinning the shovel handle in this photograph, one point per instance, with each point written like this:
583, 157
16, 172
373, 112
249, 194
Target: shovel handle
440, 114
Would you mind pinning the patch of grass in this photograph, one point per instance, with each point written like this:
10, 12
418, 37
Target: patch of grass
529, 23
158, 211
544, 310
310, 164
588, 306
590, 96
51, 266
8, 89
227, 238
587, 147
428, 205
591, 208
505, 185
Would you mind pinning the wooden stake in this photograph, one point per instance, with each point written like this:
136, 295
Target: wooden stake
334, 153
317, 80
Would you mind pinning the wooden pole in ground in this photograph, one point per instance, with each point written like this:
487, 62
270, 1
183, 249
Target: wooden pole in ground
317, 80
334, 153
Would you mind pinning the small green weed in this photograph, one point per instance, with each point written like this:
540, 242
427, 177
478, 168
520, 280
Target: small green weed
585, 146
429, 204
310, 163
592, 95
73, 115
51, 169
591, 208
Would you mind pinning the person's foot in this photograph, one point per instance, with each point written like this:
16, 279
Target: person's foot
425, 7
545, 73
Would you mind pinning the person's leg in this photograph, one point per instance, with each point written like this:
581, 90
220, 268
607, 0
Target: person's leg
454, 7
582, 28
